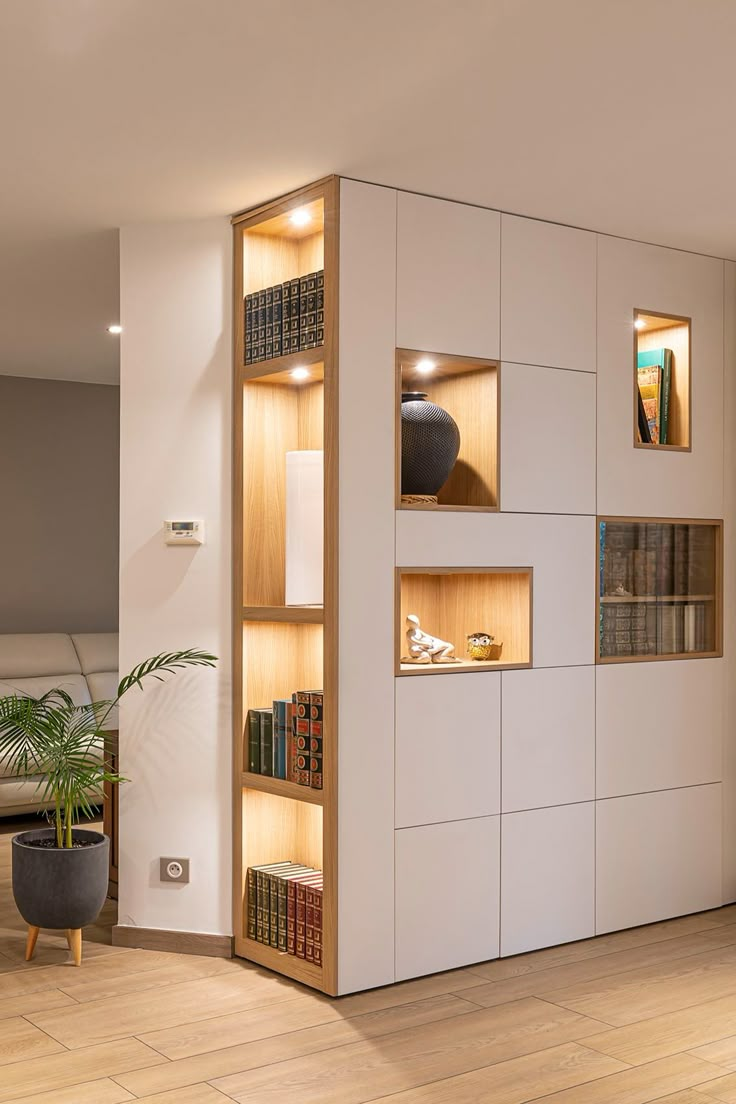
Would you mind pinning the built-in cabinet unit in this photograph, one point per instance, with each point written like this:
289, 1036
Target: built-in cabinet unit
550, 786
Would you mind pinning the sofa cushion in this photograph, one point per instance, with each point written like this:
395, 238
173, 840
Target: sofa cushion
97, 652
23, 655
103, 686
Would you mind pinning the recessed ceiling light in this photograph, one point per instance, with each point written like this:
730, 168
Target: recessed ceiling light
425, 366
116, 329
640, 323
300, 373
300, 217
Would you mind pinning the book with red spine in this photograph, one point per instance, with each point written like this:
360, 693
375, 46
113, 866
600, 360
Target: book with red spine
301, 730
317, 895
309, 918
300, 923
316, 712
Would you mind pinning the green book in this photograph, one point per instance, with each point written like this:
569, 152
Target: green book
253, 735
665, 403
265, 717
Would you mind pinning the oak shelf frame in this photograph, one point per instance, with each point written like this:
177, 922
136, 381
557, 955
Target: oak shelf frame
667, 331
658, 600
277, 648
288, 615
468, 388
452, 602
279, 787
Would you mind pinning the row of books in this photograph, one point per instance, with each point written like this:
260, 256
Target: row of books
284, 908
285, 739
654, 628
286, 318
651, 558
654, 376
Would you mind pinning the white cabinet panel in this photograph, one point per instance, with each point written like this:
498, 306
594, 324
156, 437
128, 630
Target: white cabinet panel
658, 725
548, 305
547, 440
448, 276
560, 549
647, 482
657, 855
548, 737
547, 877
447, 748
366, 757
447, 896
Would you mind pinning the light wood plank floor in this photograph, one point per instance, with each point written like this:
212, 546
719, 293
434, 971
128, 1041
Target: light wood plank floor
631, 1018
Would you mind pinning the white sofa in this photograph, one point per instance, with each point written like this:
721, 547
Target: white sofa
83, 664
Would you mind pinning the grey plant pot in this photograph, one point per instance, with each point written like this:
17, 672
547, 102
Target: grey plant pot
57, 887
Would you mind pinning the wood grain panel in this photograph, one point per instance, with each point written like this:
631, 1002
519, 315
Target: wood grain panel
686, 1029
103, 1091
410, 1058
60, 1071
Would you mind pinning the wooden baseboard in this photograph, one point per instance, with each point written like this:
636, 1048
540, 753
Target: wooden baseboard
178, 942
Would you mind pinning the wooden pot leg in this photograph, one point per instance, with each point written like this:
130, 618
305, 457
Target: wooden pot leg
31, 941
74, 939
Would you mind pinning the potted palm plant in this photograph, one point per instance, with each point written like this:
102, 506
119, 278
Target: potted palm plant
60, 873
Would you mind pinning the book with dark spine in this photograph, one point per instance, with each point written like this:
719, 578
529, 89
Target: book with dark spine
294, 303
316, 710
259, 352
285, 317
277, 318
301, 771
253, 732
303, 308
248, 328
321, 307
281, 717
255, 893
272, 878
291, 751
283, 893
266, 722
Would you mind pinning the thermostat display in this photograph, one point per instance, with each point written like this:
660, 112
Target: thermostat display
184, 532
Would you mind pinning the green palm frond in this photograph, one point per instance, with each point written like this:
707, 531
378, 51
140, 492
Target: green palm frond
62, 742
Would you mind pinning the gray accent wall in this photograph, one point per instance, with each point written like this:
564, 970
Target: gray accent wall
59, 506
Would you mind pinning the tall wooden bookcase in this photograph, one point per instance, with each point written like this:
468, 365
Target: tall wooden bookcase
556, 817
278, 649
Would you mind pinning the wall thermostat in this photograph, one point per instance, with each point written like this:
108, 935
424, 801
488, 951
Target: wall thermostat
184, 532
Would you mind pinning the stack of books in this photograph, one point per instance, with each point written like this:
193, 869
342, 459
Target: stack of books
628, 628
284, 740
287, 318
284, 908
654, 375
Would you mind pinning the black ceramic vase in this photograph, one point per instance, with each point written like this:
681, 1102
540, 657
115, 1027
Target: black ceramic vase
58, 887
430, 442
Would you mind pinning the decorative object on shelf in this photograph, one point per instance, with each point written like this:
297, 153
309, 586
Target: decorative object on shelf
430, 443
304, 527
424, 648
483, 647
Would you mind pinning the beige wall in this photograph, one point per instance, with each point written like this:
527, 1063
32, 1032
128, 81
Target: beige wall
59, 494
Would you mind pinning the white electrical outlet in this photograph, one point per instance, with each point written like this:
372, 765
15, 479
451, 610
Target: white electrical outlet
174, 870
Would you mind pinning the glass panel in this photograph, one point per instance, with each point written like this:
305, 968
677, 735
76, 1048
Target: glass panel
658, 588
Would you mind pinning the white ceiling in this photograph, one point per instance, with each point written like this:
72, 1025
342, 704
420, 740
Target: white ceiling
610, 114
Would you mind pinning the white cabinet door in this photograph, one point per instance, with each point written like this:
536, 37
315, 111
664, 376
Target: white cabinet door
647, 482
447, 896
561, 549
548, 737
548, 276
448, 277
658, 725
547, 440
447, 748
657, 855
547, 877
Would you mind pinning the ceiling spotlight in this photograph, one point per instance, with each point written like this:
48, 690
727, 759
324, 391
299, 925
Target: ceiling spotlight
425, 366
639, 323
300, 217
116, 329
300, 374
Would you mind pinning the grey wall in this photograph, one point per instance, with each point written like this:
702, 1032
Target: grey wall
59, 506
